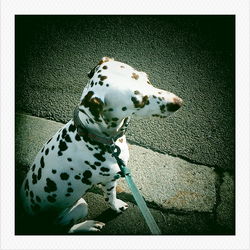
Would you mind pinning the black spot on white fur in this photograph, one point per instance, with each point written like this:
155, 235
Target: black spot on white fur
62, 145
51, 199
103, 169
42, 162
99, 156
33, 167
39, 174
34, 178
50, 186
64, 176
86, 175
67, 138
72, 128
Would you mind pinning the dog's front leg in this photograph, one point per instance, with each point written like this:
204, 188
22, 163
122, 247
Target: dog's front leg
110, 196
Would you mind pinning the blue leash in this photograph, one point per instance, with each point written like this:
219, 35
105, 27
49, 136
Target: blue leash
125, 172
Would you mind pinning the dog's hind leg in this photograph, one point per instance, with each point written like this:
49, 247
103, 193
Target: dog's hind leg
73, 214
70, 217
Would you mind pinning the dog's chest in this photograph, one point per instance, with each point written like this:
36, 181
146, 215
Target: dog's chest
66, 167
72, 154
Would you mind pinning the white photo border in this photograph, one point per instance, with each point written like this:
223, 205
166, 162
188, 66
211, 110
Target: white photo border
10, 8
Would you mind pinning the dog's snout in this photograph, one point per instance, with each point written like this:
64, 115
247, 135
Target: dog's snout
178, 101
175, 105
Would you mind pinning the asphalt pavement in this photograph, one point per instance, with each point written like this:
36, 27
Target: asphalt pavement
191, 56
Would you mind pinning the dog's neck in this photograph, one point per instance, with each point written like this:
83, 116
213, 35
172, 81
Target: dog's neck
104, 130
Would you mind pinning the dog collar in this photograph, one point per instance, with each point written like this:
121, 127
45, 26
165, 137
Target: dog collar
83, 131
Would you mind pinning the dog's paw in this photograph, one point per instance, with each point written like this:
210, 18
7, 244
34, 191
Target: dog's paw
87, 226
119, 206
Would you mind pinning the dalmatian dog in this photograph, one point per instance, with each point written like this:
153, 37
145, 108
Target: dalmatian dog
79, 155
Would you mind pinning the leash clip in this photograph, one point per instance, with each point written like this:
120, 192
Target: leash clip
124, 170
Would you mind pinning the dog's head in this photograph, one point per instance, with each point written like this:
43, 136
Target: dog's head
116, 91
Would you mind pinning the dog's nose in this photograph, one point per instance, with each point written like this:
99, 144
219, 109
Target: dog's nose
175, 105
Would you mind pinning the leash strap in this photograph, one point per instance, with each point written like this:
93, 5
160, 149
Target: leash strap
125, 172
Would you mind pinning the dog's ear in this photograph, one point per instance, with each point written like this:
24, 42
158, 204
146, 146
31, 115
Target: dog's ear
95, 105
105, 59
